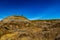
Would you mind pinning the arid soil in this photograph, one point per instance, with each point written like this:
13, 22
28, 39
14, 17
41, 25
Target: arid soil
20, 28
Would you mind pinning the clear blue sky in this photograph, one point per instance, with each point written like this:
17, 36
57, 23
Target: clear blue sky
32, 9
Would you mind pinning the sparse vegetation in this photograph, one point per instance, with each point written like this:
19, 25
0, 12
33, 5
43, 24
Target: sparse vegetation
20, 28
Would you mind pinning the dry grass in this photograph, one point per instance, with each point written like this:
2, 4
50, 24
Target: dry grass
29, 30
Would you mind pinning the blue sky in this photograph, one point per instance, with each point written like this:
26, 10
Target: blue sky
31, 9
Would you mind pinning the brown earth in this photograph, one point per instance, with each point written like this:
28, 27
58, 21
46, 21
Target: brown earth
20, 28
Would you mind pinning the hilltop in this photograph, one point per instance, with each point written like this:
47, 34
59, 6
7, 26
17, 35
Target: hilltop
15, 18
21, 28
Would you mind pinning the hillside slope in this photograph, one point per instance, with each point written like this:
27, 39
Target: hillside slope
20, 28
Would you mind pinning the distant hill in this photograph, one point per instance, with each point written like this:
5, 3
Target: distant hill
15, 18
21, 28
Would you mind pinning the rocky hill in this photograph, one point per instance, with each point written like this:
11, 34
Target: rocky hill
21, 28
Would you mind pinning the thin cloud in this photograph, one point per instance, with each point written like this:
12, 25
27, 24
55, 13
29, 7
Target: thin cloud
0, 19
35, 18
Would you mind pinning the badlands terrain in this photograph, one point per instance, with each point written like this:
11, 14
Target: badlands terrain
21, 28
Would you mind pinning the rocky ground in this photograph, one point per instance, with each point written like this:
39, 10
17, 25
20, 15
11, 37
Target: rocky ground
20, 28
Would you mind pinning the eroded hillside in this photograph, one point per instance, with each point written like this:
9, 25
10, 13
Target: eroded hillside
20, 28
